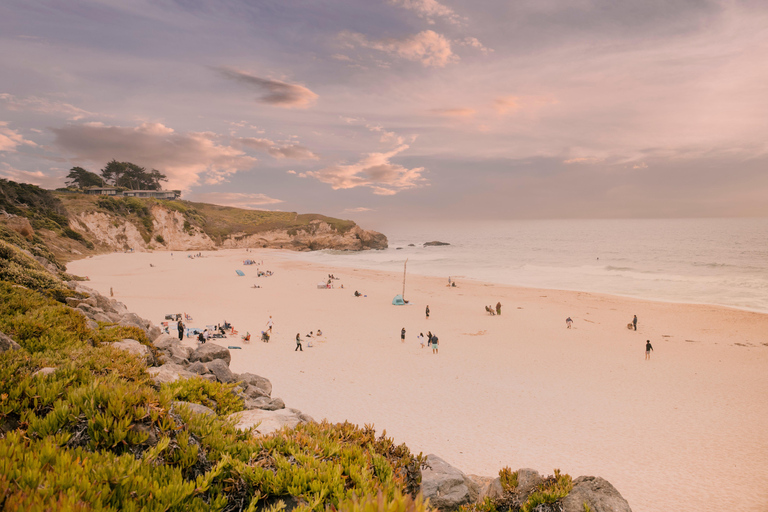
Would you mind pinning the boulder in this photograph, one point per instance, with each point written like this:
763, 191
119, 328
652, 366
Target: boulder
101, 317
132, 320
209, 377
221, 370
435, 243
261, 383
177, 354
493, 490
210, 351
265, 403
6, 343
254, 392
153, 331
305, 417
168, 373
527, 481
198, 368
42, 372
136, 348
447, 487
597, 493
104, 303
196, 408
267, 421
165, 341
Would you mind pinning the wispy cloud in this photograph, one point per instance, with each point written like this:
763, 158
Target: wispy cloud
583, 160
374, 171
10, 139
453, 112
427, 47
429, 10
38, 178
359, 209
43, 105
291, 151
185, 158
474, 42
273, 92
512, 104
236, 199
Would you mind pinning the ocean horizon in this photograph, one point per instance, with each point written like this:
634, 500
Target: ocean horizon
721, 261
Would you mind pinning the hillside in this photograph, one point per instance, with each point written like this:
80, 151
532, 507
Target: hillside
74, 225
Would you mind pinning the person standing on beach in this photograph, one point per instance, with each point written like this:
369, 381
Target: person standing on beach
568, 322
434, 342
498, 308
648, 349
427, 311
402, 335
420, 337
634, 322
181, 330
298, 342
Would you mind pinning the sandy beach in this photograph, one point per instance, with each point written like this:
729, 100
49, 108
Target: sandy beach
686, 430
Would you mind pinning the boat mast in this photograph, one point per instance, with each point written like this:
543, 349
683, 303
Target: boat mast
404, 265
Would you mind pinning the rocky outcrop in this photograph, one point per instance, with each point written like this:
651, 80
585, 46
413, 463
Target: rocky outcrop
209, 351
267, 422
6, 343
135, 348
435, 243
172, 233
447, 487
598, 494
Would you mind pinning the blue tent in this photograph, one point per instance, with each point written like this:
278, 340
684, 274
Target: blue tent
398, 300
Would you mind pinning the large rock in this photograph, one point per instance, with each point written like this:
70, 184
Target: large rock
136, 348
447, 487
196, 408
597, 493
265, 403
172, 349
210, 351
527, 481
132, 320
263, 384
254, 392
168, 373
198, 368
165, 341
6, 343
267, 421
221, 370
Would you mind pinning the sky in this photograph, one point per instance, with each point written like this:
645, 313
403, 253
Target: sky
404, 110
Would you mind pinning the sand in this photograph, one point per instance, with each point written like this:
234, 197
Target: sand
686, 430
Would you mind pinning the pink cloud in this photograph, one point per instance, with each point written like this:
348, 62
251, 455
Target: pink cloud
374, 171
273, 92
291, 151
44, 105
429, 10
34, 177
10, 139
235, 199
453, 112
427, 47
186, 158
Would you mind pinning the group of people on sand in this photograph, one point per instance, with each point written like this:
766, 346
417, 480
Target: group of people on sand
431, 339
494, 311
312, 335
632, 325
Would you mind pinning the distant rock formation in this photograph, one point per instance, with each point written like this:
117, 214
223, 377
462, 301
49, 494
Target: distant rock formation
435, 243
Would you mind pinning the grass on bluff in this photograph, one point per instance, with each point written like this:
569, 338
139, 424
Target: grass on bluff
96, 434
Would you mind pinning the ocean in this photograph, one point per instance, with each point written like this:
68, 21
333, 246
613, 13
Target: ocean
705, 261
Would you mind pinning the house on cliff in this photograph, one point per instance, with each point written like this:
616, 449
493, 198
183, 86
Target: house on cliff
116, 192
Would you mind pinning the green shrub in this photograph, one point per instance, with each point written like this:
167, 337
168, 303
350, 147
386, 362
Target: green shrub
508, 479
219, 397
553, 489
159, 239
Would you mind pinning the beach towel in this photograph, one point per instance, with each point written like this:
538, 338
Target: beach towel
240, 273
232, 346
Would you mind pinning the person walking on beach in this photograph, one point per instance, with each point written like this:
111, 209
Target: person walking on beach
420, 337
181, 330
568, 322
270, 323
427, 311
434, 343
634, 322
402, 335
498, 308
298, 342
648, 349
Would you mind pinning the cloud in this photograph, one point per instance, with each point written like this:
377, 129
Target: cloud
43, 105
185, 158
512, 104
386, 136
274, 92
38, 178
10, 139
374, 171
453, 112
583, 160
359, 209
474, 42
427, 47
429, 10
291, 151
235, 199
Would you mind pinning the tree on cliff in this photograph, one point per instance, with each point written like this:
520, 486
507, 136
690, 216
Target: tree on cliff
80, 178
132, 176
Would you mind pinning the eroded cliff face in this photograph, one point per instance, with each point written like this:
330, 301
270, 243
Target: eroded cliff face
118, 233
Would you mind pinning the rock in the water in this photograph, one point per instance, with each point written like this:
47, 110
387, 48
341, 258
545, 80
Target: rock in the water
261, 383
267, 421
221, 370
196, 408
6, 343
210, 351
597, 493
168, 373
265, 403
446, 487
136, 348
435, 243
